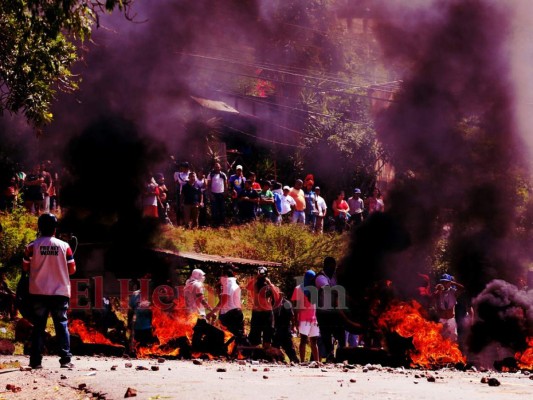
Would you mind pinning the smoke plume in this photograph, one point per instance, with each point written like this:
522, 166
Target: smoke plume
504, 315
455, 147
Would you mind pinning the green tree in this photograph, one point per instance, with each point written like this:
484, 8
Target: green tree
40, 40
328, 68
344, 143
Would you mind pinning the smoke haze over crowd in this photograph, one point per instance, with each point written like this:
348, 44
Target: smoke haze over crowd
457, 132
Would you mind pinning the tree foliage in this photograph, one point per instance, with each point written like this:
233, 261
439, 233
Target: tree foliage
40, 40
332, 65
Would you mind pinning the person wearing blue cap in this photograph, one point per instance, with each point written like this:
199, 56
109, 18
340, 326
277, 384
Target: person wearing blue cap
445, 299
357, 206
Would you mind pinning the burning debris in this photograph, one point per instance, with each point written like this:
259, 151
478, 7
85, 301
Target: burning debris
430, 348
87, 335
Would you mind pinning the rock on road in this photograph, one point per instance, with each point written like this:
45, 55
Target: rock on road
109, 378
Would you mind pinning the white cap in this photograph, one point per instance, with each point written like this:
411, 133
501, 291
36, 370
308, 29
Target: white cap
238, 167
286, 188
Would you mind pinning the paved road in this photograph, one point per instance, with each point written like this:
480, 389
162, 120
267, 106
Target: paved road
185, 380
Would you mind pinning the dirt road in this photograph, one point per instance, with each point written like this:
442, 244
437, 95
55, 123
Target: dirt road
109, 378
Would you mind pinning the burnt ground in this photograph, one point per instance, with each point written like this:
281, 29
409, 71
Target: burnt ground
110, 378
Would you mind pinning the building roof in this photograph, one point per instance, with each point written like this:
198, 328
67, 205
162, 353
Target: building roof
215, 259
215, 105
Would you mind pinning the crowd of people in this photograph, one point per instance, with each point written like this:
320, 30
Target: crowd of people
314, 311
197, 199
38, 189
311, 312
213, 199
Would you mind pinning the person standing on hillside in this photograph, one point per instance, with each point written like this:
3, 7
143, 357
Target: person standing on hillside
267, 204
180, 179
217, 186
321, 208
311, 211
357, 207
287, 205
49, 262
33, 191
248, 201
192, 200
340, 212
236, 186
298, 215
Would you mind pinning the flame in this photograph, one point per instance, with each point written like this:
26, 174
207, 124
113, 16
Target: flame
168, 324
431, 349
173, 323
263, 88
87, 335
525, 359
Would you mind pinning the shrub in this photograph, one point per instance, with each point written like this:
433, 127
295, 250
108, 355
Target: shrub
19, 229
294, 246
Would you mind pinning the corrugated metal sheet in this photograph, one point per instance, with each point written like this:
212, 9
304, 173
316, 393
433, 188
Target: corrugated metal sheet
215, 105
214, 259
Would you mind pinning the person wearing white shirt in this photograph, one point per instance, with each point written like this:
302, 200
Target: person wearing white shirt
229, 305
287, 204
357, 207
322, 209
217, 185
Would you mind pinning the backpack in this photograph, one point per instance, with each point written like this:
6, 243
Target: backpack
222, 175
316, 299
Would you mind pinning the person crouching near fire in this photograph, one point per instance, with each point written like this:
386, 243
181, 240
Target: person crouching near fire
445, 299
49, 262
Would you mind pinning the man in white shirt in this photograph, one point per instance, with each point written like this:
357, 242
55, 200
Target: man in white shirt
287, 204
49, 262
357, 206
230, 306
217, 185
322, 209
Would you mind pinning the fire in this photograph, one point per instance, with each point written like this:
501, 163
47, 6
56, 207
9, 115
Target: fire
263, 88
525, 359
170, 324
431, 349
87, 335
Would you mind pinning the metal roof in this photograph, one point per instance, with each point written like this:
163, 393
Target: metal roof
215, 105
214, 259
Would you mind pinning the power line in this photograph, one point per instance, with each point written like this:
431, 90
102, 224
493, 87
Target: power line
263, 139
271, 69
293, 83
255, 100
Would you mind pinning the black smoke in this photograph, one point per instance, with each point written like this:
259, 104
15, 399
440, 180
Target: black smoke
107, 168
456, 152
504, 315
